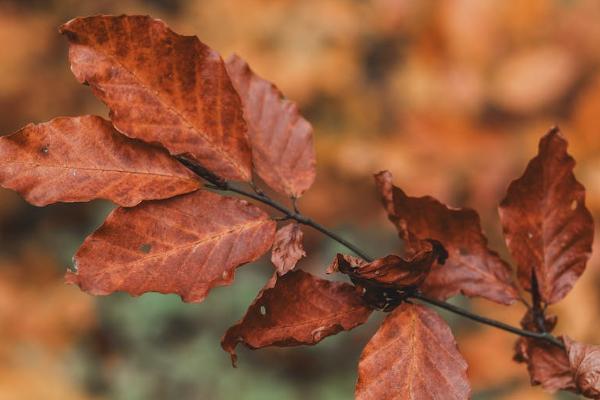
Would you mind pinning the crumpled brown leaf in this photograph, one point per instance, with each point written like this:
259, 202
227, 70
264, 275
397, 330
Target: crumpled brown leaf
392, 271
287, 248
547, 227
164, 88
584, 360
412, 356
472, 268
297, 308
70, 159
185, 245
283, 152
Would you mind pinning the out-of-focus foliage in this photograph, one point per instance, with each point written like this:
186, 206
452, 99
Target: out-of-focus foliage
451, 96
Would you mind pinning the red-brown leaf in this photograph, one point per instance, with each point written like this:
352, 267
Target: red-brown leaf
412, 356
472, 268
71, 159
297, 308
162, 87
548, 229
185, 245
282, 140
392, 271
287, 248
584, 360
548, 365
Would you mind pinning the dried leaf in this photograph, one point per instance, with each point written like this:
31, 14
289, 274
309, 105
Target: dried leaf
297, 308
548, 229
282, 140
164, 88
584, 360
548, 365
71, 159
393, 271
186, 245
287, 248
413, 355
472, 268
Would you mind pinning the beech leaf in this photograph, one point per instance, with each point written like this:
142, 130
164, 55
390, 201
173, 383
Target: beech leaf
548, 365
386, 280
412, 356
282, 140
547, 227
185, 245
70, 159
287, 248
584, 360
164, 88
472, 268
297, 308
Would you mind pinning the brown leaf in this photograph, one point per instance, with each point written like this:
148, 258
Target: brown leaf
413, 355
584, 360
186, 245
393, 271
287, 248
71, 159
548, 365
282, 140
472, 268
548, 229
297, 308
164, 88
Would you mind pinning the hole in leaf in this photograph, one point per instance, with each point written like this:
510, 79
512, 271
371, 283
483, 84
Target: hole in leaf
44, 150
263, 310
574, 205
145, 248
529, 235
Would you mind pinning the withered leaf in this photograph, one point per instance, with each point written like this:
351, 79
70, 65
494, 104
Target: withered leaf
472, 268
413, 355
548, 365
392, 271
282, 140
584, 360
164, 88
287, 248
297, 308
548, 229
185, 245
71, 159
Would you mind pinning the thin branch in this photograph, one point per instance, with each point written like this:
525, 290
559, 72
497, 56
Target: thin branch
219, 184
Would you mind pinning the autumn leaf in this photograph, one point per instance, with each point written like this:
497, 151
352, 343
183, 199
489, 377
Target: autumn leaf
472, 268
185, 245
413, 355
71, 159
548, 365
282, 140
547, 227
287, 248
164, 88
297, 308
584, 360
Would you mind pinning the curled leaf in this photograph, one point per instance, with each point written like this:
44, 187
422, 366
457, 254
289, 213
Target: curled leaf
185, 245
548, 365
164, 88
584, 360
413, 355
297, 308
472, 268
548, 229
287, 248
70, 159
283, 152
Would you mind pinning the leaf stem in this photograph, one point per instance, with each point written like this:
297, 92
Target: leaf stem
221, 185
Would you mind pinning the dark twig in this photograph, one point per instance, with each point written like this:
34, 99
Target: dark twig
219, 184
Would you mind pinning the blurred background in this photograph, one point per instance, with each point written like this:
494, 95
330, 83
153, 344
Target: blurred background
450, 95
